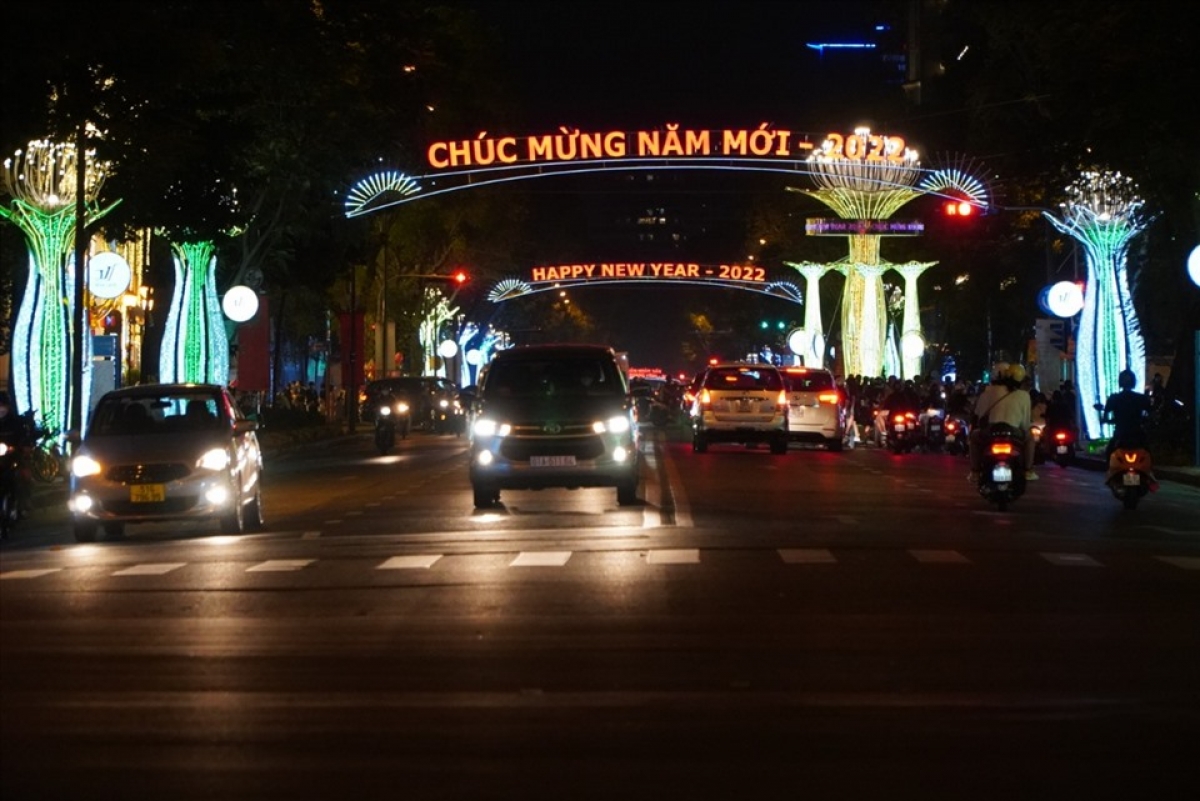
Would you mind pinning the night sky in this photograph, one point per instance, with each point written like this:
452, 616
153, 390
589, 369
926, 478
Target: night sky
640, 66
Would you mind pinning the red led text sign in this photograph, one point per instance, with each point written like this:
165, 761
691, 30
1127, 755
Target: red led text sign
574, 146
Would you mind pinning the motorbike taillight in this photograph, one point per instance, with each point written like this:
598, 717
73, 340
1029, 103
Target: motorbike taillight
1002, 448
1061, 436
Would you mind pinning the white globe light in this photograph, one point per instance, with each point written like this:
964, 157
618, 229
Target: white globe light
1064, 299
1193, 265
447, 349
798, 341
108, 275
912, 345
240, 303
474, 357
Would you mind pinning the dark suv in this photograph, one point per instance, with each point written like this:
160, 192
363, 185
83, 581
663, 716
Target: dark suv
553, 416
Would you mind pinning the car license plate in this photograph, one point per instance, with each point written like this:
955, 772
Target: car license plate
147, 493
552, 461
1131, 479
1002, 474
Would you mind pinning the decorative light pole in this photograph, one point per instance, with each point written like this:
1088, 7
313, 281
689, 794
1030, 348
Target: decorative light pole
47, 193
1104, 212
814, 332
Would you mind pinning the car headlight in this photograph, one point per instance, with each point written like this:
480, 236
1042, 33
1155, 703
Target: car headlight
83, 466
618, 424
485, 427
216, 459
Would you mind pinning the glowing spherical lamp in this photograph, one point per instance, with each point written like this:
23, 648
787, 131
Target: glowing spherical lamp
447, 349
474, 357
1064, 299
240, 303
108, 275
912, 345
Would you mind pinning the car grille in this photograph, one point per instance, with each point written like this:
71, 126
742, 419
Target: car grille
516, 448
147, 473
171, 506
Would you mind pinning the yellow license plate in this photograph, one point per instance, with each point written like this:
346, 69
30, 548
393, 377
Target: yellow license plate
147, 493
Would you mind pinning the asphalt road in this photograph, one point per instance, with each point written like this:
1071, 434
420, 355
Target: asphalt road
811, 625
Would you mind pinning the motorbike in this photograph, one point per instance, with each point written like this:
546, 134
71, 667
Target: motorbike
9, 488
933, 429
1130, 475
902, 431
1057, 444
1002, 477
390, 416
956, 433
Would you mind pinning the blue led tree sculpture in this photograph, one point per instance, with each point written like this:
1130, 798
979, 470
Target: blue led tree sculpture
1104, 212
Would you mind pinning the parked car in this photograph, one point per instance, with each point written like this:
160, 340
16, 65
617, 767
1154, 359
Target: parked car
817, 407
553, 416
744, 403
161, 452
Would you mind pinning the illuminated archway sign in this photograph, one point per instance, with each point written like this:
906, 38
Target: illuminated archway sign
108, 275
751, 278
240, 304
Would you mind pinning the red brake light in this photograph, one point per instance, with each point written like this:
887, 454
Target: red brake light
828, 397
782, 400
705, 398
1129, 456
1061, 436
1002, 448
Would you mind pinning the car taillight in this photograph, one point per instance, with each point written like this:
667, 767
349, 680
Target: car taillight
705, 398
782, 399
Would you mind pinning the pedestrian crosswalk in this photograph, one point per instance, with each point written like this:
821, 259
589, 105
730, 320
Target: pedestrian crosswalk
553, 559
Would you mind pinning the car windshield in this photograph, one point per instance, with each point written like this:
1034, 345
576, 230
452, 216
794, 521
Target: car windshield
398, 386
743, 378
808, 382
158, 413
553, 376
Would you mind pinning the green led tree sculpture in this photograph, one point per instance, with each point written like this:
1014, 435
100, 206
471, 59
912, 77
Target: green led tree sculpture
439, 313
43, 183
1104, 212
195, 344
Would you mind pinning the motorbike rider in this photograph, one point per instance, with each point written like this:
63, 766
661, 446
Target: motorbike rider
15, 433
1002, 401
1127, 410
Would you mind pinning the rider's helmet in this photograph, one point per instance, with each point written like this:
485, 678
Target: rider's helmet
1127, 380
999, 371
1016, 373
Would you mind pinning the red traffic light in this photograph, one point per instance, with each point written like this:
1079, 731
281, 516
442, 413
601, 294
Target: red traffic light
958, 208
460, 276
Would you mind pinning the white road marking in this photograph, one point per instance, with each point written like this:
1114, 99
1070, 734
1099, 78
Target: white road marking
28, 574
1071, 560
310, 535
154, 569
673, 556
407, 562
540, 559
280, 565
807, 556
1186, 562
